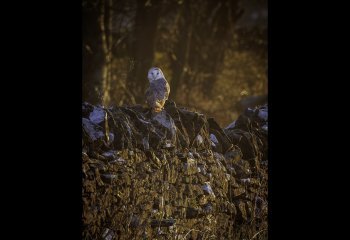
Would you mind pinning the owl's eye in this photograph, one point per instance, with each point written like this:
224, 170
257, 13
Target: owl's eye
157, 73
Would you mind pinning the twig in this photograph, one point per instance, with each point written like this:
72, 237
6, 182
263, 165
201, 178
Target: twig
189, 233
256, 234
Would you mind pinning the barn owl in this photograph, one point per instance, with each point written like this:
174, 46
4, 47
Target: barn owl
158, 90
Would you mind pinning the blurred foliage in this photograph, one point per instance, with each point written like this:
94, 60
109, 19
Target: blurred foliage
213, 53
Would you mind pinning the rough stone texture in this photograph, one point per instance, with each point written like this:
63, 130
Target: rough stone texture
174, 175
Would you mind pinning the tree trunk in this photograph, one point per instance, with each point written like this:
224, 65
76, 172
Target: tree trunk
226, 14
107, 41
93, 57
182, 49
143, 47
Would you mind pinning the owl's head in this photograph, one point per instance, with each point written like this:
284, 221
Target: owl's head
155, 73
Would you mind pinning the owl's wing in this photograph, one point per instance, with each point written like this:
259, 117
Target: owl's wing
162, 89
149, 96
167, 90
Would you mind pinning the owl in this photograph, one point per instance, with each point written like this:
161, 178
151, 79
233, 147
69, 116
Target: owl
158, 90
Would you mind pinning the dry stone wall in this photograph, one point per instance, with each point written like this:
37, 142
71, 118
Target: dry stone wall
173, 175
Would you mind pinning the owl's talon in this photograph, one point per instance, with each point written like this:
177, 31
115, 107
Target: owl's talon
157, 110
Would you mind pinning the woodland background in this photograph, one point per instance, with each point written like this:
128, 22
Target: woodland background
213, 53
